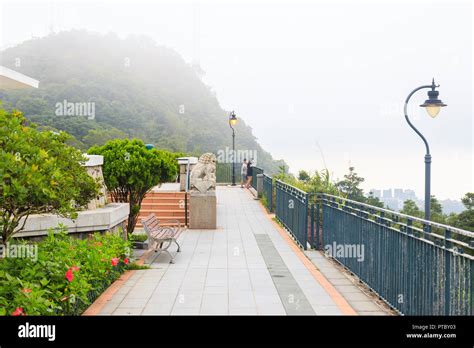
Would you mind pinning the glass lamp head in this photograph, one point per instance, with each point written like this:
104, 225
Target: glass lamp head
433, 104
232, 119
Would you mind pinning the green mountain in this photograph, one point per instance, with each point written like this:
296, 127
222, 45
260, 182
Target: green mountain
135, 89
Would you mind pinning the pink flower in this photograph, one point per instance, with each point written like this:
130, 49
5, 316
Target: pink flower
26, 290
75, 268
125, 260
18, 312
69, 275
115, 261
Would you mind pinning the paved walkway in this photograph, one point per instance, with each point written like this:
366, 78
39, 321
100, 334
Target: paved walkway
247, 266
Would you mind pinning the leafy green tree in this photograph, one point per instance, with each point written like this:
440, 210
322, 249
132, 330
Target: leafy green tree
436, 207
436, 210
375, 201
304, 176
452, 219
100, 136
39, 174
410, 208
321, 182
283, 174
350, 185
468, 200
131, 170
465, 219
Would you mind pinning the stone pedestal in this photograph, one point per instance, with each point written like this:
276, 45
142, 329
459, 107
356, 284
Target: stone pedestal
94, 168
202, 210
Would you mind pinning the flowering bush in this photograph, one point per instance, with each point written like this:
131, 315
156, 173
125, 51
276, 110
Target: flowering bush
66, 277
40, 174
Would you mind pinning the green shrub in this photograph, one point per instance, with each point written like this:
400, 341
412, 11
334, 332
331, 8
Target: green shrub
131, 170
65, 278
39, 174
138, 237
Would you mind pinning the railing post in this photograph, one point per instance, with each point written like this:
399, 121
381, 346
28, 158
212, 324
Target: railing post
447, 272
471, 265
319, 236
311, 228
259, 185
409, 226
270, 203
305, 224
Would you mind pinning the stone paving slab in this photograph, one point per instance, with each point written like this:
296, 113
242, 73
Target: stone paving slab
361, 300
244, 267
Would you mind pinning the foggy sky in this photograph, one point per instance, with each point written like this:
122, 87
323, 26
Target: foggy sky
308, 73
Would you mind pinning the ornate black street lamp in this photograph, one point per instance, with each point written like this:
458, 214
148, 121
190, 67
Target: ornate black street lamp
232, 123
433, 106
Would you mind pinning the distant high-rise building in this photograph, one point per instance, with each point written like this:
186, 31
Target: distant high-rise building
410, 194
391, 203
394, 198
376, 193
398, 193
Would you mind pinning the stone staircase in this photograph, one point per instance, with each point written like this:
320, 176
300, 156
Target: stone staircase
165, 206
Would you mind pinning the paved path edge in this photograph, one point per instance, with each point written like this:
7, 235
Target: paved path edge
101, 301
337, 297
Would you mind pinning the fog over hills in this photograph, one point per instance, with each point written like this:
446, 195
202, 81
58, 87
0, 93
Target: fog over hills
130, 88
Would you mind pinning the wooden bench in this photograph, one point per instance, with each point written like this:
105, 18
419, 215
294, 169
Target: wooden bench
159, 235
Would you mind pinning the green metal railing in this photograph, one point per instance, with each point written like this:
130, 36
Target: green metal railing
418, 267
416, 272
255, 172
291, 209
268, 191
224, 173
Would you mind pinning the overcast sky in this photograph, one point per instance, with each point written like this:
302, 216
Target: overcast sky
312, 72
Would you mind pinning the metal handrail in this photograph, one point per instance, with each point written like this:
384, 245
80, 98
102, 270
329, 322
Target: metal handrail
291, 186
432, 271
414, 218
374, 208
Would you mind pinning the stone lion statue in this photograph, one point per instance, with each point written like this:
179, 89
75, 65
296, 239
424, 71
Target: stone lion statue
203, 175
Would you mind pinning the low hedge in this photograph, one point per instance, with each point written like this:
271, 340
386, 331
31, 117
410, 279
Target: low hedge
65, 277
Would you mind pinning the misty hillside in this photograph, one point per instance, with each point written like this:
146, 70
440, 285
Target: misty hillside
139, 90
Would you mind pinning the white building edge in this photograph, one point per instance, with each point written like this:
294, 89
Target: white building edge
11, 79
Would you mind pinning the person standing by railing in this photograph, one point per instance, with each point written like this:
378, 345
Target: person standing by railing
243, 173
249, 173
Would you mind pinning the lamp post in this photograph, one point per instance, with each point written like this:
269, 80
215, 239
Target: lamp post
232, 123
433, 106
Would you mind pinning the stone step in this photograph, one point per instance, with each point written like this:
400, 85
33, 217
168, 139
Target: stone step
165, 195
161, 213
163, 206
164, 200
